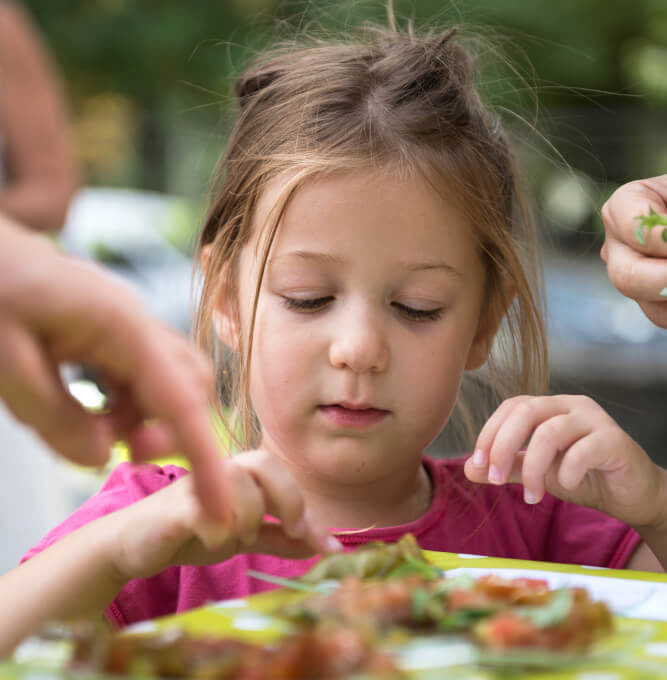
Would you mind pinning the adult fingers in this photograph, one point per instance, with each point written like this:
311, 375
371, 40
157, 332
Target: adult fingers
176, 386
656, 312
628, 202
150, 440
31, 387
635, 275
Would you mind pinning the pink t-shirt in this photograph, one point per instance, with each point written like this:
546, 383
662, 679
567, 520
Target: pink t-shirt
463, 517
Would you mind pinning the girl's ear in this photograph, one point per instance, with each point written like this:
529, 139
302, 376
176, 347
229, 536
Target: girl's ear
225, 327
489, 322
223, 317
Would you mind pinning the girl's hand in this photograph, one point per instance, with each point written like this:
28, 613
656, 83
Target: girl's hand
570, 447
169, 527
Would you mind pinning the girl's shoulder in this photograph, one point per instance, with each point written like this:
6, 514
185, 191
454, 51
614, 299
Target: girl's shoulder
137, 481
126, 484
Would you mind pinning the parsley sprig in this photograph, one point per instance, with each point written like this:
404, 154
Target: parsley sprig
647, 222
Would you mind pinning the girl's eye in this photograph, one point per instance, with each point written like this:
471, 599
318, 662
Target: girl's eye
418, 314
306, 305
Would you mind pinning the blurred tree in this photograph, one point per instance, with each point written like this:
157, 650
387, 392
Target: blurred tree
147, 52
600, 64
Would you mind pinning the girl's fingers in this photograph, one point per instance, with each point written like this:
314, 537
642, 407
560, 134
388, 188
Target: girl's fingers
284, 500
550, 439
259, 484
247, 502
516, 429
283, 496
480, 458
273, 541
551, 427
590, 452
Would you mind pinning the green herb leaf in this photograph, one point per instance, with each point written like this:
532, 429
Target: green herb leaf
647, 222
420, 599
639, 234
293, 584
463, 619
463, 581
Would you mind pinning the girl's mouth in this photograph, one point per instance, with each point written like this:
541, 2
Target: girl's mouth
349, 416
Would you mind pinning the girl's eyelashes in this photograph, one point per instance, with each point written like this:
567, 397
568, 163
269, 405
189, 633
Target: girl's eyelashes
418, 314
316, 304
307, 304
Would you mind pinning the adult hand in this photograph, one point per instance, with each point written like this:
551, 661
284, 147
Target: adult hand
638, 270
55, 309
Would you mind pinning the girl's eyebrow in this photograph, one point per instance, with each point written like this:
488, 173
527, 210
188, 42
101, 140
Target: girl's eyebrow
308, 255
327, 258
427, 266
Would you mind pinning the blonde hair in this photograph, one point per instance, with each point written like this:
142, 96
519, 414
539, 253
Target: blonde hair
386, 98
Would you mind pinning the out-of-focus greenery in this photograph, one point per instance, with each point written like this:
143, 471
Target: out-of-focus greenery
148, 82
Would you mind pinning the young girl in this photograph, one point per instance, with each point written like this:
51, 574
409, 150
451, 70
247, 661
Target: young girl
365, 244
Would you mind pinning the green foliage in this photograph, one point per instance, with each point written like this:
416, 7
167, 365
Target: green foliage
174, 61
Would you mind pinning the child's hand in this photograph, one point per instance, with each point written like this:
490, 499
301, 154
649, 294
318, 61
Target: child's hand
571, 447
169, 527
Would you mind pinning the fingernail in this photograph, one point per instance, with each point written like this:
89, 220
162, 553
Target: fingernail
478, 458
494, 475
332, 544
529, 497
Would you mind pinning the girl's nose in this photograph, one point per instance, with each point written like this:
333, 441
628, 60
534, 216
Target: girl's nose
359, 345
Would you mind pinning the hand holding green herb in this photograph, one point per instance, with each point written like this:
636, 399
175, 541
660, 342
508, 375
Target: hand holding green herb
635, 247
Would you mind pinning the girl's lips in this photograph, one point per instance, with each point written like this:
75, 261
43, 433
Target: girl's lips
352, 417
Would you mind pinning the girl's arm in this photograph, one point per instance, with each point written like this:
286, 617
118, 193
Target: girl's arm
72, 578
577, 452
80, 575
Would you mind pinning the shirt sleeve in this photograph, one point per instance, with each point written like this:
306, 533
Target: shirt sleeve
580, 535
126, 484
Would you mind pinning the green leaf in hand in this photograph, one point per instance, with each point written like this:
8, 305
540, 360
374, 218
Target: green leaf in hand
647, 222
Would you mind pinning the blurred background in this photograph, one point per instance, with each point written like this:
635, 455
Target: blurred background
147, 87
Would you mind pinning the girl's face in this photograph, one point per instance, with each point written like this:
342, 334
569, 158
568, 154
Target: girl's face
368, 315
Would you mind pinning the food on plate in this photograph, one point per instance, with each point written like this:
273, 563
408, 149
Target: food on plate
326, 652
359, 611
498, 613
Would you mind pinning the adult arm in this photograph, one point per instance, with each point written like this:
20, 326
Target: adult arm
638, 270
55, 309
41, 169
